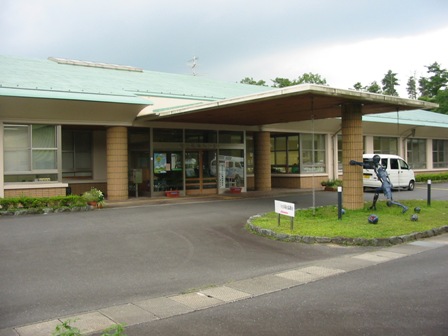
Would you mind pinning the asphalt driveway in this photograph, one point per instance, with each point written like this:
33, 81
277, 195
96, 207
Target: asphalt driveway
62, 264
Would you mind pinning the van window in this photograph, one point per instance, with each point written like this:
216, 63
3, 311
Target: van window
403, 164
393, 163
384, 163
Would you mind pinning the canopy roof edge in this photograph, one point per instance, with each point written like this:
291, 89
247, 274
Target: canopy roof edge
294, 103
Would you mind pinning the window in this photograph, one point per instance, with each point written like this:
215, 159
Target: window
200, 136
385, 145
168, 135
393, 163
30, 153
76, 153
416, 153
289, 152
284, 153
233, 137
250, 153
440, 153
403, 165
312, 153
231, 164
340, 152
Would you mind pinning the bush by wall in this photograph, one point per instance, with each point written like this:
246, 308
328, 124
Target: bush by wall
432, 177
24, 204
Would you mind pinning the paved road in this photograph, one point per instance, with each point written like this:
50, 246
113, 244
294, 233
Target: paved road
63, 264
60, 264
404, 297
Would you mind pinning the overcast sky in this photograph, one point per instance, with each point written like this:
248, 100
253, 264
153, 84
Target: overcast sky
345, 41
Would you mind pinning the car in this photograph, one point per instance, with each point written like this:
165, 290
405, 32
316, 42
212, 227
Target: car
400, 173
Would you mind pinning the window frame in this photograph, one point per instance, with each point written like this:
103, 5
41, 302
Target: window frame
284, 166
31, 150
415, 158
439, 150
75, 171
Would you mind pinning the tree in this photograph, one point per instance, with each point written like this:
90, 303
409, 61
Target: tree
430, 86
412, 87
358, 87
389, 82
434, 88
311, 79
373, 88
442, 100
282, 82
251, 81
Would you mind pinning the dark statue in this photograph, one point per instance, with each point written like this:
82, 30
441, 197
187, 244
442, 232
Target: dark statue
383, 177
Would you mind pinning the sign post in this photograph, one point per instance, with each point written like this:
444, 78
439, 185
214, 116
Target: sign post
287, 209
339, 203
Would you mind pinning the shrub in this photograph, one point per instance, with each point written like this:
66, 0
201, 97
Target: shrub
331, 183
9, 203
94, 195
432, 177
24, 202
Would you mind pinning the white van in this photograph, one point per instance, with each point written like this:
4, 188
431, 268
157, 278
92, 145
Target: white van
234, 166
400, 174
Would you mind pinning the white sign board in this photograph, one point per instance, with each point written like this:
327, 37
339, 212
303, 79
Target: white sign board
284, 208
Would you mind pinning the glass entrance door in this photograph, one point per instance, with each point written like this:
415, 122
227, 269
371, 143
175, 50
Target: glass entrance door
200, 178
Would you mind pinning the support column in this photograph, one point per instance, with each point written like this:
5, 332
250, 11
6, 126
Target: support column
262, 166
117, 163
2, 164
352, 147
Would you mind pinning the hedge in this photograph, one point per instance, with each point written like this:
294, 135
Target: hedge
432, 177
55, 202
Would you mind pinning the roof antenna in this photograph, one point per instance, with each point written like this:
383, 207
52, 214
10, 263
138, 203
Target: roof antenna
193, 63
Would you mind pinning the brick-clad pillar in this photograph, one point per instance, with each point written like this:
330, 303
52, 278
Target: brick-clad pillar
262, 157
352, 147
117, 163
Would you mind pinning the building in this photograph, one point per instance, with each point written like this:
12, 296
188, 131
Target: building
69, 125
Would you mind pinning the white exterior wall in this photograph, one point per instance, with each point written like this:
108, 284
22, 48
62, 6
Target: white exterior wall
429, 161
368, 144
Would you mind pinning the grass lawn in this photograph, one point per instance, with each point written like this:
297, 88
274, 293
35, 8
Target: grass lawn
324, 222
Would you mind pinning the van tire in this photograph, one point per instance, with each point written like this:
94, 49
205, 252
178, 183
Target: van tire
411, 185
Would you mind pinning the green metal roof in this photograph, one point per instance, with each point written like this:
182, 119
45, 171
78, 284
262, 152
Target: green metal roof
412, 117
20, 77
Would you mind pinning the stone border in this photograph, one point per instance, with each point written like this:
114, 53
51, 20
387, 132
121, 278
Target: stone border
395, 240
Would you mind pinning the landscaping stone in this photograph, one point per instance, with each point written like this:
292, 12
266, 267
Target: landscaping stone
395, 240
323, 240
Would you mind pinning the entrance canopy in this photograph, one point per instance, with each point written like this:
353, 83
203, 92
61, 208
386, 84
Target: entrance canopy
298, 103
294, 103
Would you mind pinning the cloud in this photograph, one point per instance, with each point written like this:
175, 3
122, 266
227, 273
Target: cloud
345, 41
345, 64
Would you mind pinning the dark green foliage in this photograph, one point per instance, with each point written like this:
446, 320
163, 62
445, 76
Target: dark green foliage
389, 82
55, 202
432, 177
251, 81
